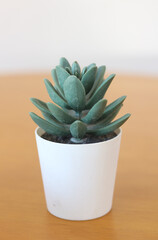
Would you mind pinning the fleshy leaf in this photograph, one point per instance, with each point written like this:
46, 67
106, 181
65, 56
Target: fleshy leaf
54, 95
75, 93
68, 70
88, 78
100, 92
55, 79
112, 107
111, 126
90, 66
42, 106
108, 119
76, 70
49, 127
49, 117
96, 112
62, 75
64, 63
78, 129
84, 70
99, 77
60, 114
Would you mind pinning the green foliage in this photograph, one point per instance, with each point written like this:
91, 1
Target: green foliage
112, 107
57, 85
78, 129
95, 112
42, 106
51, 119
60, 114
107, 119
89, 78
99, 77
54, 95
76, 70
84, 70
75, 93
79, 105
62, 75
49, 127
64, 63
111, 126
100, 91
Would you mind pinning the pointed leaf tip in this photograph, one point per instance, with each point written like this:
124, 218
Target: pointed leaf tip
64, 63
76, 69
62, 75
54, 95
98, 79
49, 127
111, 126
42, 106
100, 91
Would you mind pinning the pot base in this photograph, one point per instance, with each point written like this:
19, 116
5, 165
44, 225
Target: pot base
80, 219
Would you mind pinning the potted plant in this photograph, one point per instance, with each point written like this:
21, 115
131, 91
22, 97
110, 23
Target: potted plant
78, 141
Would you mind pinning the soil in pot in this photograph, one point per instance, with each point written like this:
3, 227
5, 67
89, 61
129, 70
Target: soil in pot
87, 139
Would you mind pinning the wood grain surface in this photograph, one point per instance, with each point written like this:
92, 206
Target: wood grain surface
23, 213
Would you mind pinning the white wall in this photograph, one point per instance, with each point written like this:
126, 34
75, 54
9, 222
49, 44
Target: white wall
123, 34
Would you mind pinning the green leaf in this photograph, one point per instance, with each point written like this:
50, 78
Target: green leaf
84, 70
100, 92
60, 114
49, 127
99, 77
68, 70
54, 95
75, 93
76, 70
88, 78
42, 106
64, 63
96, 112
62, 75
112, 107
49, 117
78, 129
90, 66
55, 79
108, 119
110, 127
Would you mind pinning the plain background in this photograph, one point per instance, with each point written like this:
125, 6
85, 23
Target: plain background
122, 34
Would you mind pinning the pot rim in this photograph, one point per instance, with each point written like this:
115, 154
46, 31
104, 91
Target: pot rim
117, 131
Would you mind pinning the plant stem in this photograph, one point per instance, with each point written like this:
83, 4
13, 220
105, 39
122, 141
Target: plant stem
78, 115
77, 140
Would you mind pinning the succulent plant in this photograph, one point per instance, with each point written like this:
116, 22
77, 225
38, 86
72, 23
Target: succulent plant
78, 107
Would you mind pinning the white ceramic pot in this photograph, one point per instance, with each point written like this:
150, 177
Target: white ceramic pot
78, 179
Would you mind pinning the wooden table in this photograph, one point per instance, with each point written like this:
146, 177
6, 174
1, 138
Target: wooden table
23, 213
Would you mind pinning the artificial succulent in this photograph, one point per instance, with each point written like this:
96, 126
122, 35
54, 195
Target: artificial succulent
78, 107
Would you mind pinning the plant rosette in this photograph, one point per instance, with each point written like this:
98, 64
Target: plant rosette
78, 178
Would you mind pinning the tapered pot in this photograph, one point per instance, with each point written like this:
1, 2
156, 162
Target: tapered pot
78, 179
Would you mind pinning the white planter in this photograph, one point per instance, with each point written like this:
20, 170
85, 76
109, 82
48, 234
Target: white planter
78, 179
